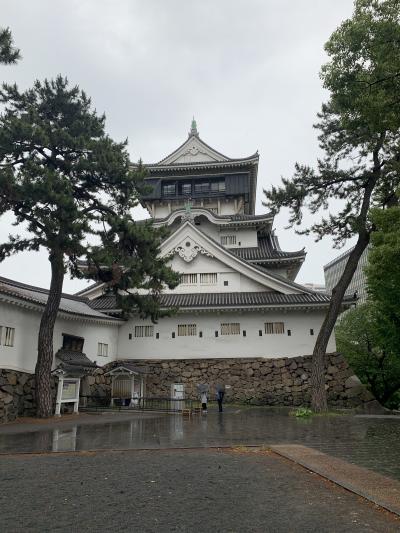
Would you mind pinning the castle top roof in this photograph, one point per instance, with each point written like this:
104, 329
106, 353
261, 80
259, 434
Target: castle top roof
194, 151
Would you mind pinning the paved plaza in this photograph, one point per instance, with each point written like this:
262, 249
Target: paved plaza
369, 441
162, 472
176, 490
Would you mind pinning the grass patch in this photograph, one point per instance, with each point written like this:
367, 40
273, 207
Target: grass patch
302, 412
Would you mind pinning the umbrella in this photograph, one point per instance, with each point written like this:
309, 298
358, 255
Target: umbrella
219, 387
202, 387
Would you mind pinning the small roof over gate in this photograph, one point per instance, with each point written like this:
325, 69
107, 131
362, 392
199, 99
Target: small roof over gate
125, 368
73, 363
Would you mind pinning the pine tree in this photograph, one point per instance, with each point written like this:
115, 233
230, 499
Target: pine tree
360, 135
67, 181
8, 53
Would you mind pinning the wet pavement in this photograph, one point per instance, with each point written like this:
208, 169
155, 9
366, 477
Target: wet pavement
369, 441
198, 490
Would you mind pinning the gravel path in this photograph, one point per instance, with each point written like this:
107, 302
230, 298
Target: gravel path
176, 491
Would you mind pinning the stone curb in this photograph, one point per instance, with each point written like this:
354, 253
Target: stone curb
378, 489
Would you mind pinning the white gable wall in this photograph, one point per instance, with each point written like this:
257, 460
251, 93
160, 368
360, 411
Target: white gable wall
202, 264
194, 150
190, 243
245, 237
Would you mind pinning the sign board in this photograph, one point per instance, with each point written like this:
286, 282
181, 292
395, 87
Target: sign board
69, 390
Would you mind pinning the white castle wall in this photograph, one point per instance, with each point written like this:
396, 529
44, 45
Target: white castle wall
245, 237
23, 355
270, 346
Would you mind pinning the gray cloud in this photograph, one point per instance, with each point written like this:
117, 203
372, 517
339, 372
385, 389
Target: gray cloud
247, 69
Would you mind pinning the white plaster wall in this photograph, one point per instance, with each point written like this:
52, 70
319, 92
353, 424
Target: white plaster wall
247, 237
209, 346
161, 211
93, 334
23, 355
228, 207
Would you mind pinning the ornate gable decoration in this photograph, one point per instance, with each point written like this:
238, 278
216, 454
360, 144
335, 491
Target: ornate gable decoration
188, 250
194, 150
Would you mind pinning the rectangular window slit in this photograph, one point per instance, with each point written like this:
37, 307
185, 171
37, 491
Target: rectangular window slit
187, 330
230, 328
188, 279
102, 349
209, 278
272, 328
9, 336
228, 239
144, 331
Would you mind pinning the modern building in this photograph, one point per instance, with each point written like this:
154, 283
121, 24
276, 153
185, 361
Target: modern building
241, 315
358, 285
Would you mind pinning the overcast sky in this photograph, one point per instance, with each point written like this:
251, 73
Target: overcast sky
246, 69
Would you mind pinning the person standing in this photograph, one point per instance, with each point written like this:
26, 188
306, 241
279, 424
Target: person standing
203, 397
220, 398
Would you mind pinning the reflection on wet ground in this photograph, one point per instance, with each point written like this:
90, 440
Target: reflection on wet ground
373, 442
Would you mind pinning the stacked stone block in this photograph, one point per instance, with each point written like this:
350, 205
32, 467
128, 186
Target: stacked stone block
275, 382
17, 394
258, 381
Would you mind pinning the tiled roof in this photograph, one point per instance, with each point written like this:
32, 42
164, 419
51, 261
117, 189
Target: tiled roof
265, 250
83, 264
73, 305
129, 366
224, 299
74, 358
222, 158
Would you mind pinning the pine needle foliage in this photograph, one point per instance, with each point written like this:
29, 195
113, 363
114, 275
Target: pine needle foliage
9, 54
359, 135
69, 185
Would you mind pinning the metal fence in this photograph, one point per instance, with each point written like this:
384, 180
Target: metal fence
103, 403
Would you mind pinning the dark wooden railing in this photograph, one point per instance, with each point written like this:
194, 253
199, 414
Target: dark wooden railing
170, 405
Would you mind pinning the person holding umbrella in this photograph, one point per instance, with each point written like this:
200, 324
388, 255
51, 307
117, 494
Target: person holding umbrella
220, 396
203, 389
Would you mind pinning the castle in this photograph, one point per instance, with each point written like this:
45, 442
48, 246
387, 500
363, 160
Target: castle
239, 307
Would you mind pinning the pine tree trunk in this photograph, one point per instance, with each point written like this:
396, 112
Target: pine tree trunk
44, 363
319, 401
318, 393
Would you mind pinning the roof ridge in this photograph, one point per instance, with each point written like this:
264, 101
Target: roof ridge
10, 287
225, 299
19, 284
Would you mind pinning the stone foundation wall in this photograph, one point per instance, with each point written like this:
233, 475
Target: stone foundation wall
98, 384
17, 394
277, 382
